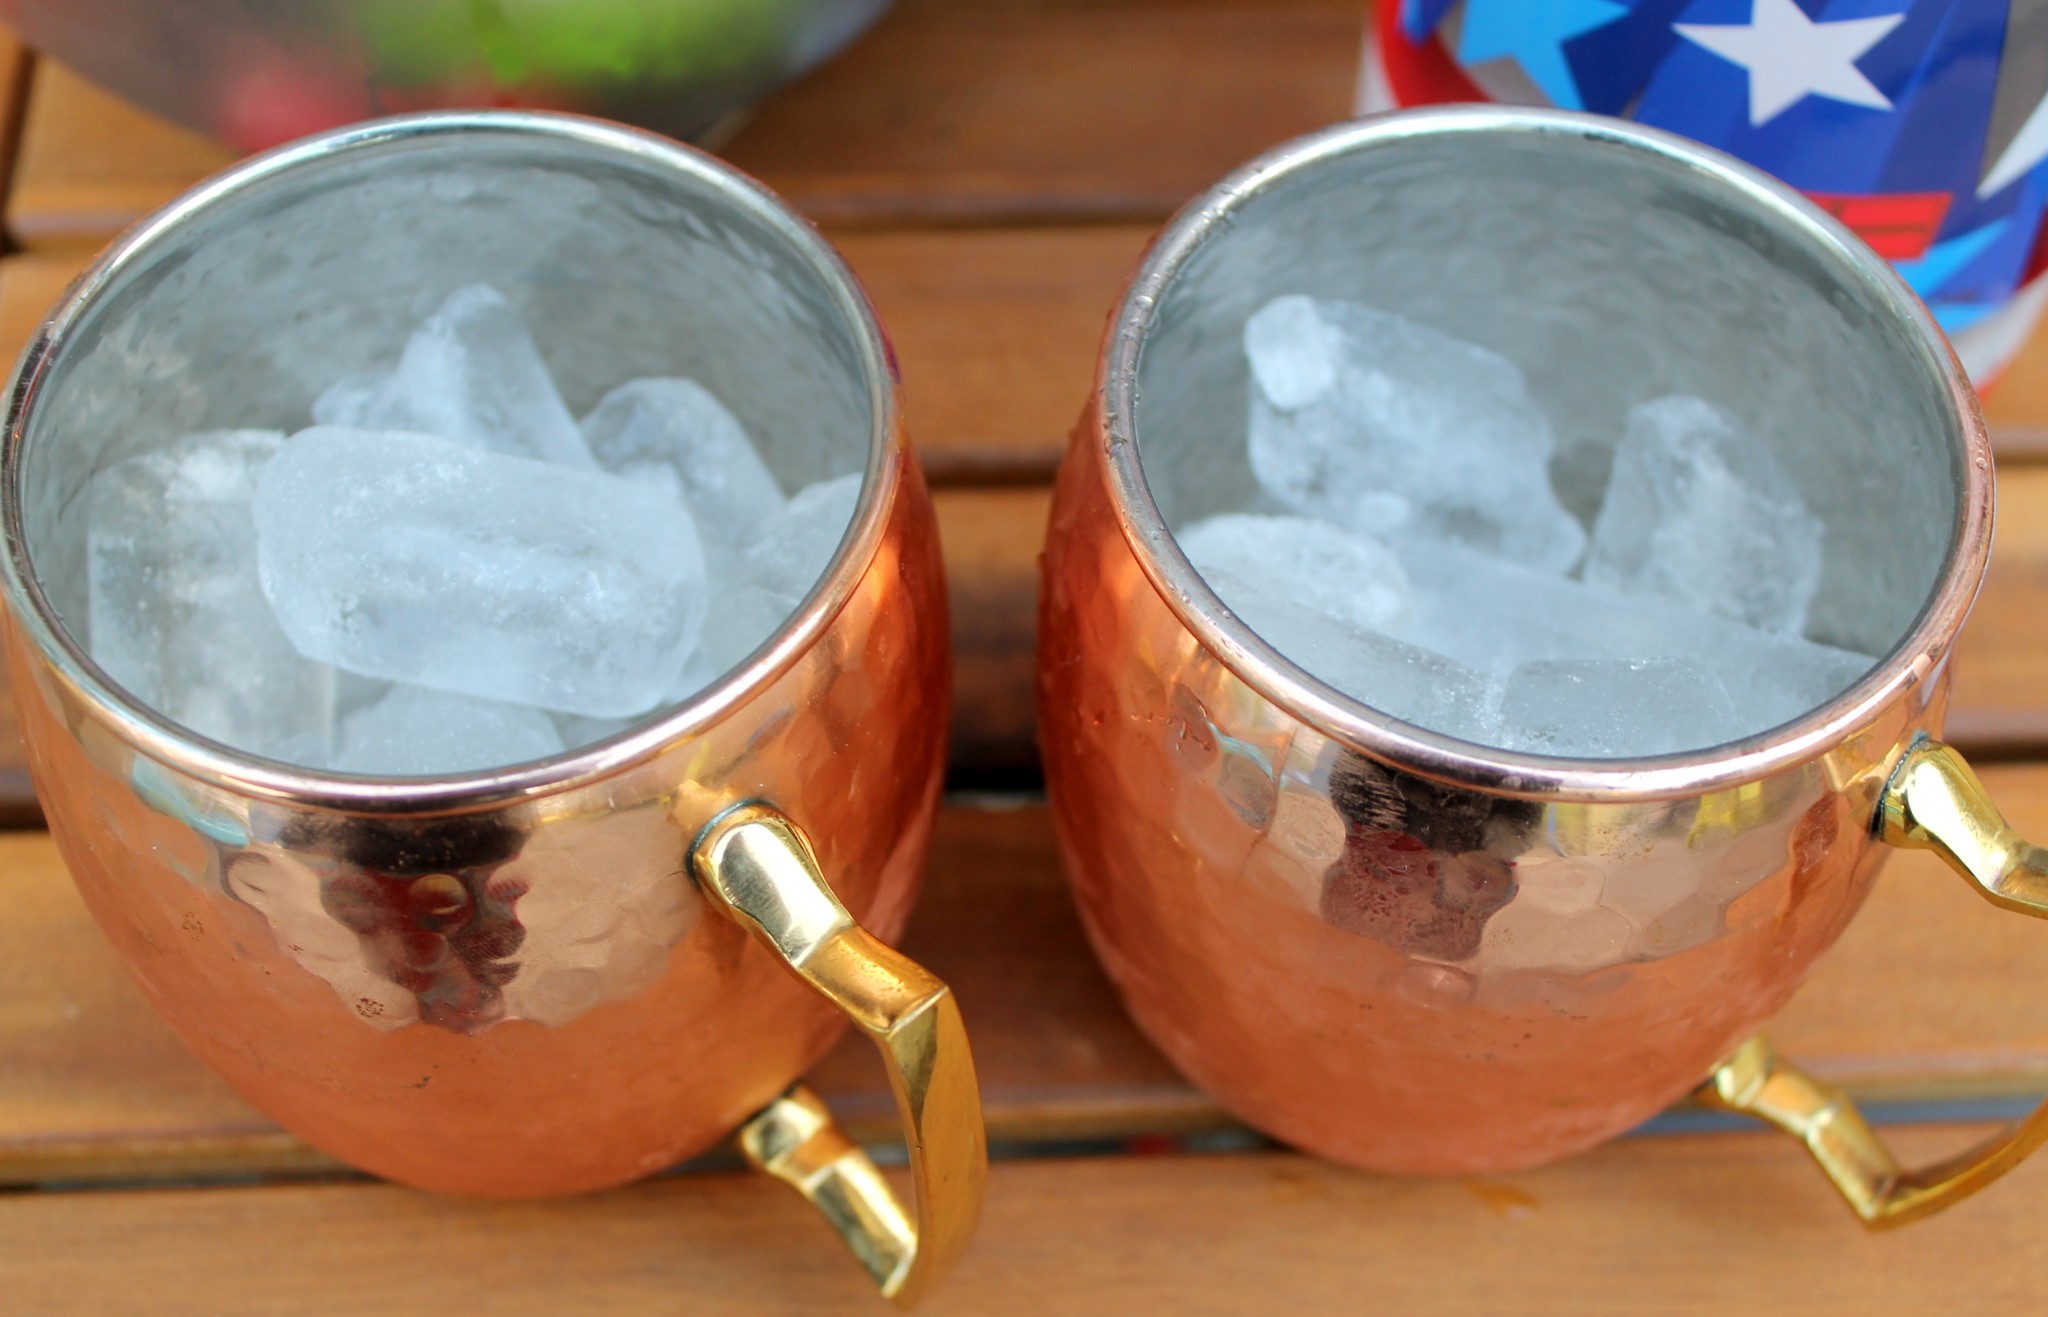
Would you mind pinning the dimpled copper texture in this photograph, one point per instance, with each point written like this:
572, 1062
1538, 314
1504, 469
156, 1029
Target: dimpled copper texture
505, 982
1411, 953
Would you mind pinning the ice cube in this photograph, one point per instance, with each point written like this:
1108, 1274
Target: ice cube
675, 432
1410, 683
177, 615
1773, 679
1379, 424
471, 374
1495, 616
1616, 708
793, 553
699, 671
417, 732
577, 731
1699, 514
351, 401
421, 560
1295, 354
742, 616
1351, 577
777, 570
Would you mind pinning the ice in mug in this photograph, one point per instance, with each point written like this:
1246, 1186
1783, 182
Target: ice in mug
1411, 550
448, 571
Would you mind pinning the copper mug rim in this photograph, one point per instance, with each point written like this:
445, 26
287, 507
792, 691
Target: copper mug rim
224, 766
1914, 659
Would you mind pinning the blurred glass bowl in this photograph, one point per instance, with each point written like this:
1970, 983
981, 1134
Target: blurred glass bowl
254, 73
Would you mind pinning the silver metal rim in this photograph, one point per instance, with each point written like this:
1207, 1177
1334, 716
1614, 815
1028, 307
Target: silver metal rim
1915, 659
226, 767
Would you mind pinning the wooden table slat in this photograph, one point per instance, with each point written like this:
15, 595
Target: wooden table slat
1692, 1224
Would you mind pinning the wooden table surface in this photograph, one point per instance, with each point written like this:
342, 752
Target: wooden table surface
992, 169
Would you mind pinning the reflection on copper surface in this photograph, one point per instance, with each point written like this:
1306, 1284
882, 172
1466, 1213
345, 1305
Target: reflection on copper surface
1393, 971
525, 999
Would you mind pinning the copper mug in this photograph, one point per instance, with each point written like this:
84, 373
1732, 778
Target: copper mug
1414, 954
506, 981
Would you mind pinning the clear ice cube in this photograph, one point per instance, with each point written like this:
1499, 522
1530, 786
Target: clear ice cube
1377, 423
1296, 355
1616, 708
417, 732
793, 553
675, 432
1773, 679
177, 615
431, 562
776, 571
1408, 682
352, 400
471, 374
1700, 515
742, 616
1351, 577
1495, 616
576, 730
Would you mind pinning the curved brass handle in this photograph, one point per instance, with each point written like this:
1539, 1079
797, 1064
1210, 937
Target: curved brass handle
1933, 802
756, 867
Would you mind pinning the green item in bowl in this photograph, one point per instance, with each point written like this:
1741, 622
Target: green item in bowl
512, 43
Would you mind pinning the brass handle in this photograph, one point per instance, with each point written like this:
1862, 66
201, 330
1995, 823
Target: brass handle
1933, 802
757, 868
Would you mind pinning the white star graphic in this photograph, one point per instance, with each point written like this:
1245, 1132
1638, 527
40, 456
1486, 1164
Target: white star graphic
1791, 57
2029, 147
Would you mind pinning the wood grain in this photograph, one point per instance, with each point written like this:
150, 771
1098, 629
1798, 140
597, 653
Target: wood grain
997, 333
1922, 1000
1035, 112
1705, 1224
990, 539
2001, 682
944, 113
91, 164
2017, 403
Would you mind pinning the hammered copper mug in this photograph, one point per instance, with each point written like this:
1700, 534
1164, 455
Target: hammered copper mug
1415, 954
506, 982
